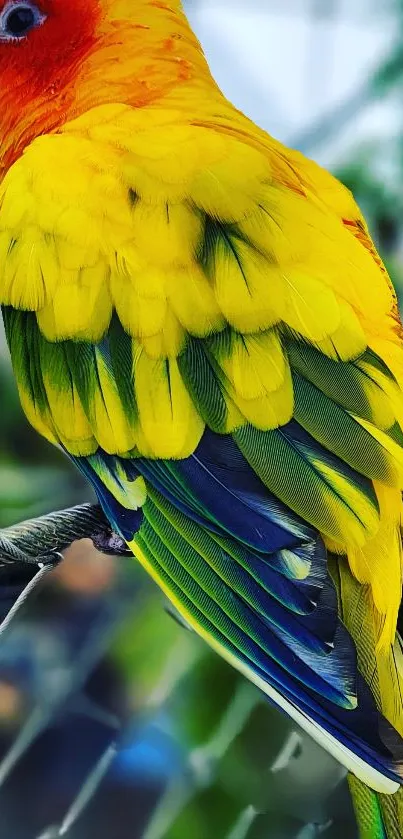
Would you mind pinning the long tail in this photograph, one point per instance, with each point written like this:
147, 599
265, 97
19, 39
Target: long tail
378, 816
368, 810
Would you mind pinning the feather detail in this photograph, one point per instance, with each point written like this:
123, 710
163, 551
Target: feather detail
168, 343
383, 550
168, 418
238, 273
216, 407
309, 306
348, 341
80, 306
354, 385
316, 485
357, 443
193, 301
255, 365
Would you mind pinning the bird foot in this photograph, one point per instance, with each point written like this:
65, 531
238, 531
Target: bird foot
107, 541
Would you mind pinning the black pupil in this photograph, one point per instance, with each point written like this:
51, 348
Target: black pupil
19, 21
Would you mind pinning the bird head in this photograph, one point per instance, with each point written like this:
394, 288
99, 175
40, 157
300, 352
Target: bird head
60, 58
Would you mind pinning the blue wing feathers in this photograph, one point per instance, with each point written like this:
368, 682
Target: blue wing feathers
254, 575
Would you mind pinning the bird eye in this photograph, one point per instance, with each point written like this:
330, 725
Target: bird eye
17, 20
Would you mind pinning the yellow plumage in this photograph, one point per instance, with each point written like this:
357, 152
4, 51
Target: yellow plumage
282, 267
243, 281
168, 419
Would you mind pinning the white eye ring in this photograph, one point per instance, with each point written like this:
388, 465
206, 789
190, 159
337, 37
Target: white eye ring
18, 19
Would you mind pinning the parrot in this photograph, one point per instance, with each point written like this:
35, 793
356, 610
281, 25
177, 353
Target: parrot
198, 317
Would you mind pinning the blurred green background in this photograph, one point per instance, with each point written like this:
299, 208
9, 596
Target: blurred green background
97, 656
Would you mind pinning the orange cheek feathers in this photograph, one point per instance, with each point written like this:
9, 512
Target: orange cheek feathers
37, 75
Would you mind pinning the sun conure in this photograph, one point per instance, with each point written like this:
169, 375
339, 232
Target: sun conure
197, 315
